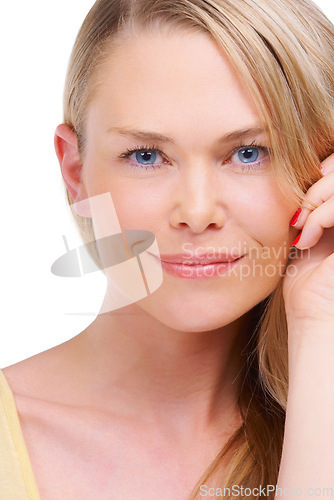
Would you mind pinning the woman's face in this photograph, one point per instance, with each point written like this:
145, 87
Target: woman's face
199, 191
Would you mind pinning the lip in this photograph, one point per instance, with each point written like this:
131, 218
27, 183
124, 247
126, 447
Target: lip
199, 268
201, 259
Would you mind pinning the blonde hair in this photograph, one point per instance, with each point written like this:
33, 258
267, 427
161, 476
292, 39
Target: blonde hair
283, 51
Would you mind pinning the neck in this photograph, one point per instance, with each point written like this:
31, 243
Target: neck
134, 362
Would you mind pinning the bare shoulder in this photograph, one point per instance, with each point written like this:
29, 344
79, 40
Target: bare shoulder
45, 375
56, 427
47, 398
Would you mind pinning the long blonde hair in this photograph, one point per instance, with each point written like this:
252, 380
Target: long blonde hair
283, 51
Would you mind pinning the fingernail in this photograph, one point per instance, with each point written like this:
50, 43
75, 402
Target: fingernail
297, 239
295, 217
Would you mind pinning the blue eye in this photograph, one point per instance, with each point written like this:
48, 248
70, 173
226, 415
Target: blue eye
248, 155
244, 157
146, 156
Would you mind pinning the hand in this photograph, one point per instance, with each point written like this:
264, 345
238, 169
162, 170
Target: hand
308, 284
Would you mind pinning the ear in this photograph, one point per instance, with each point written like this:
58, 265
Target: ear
66, 145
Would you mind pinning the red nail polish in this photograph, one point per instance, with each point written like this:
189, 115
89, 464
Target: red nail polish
295, 217
297, 239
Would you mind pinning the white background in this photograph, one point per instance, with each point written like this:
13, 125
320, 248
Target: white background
36, 41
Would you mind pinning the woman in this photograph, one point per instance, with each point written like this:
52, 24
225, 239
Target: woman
206, 123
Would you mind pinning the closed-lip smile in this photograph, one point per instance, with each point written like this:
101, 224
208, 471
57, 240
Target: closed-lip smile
202, 259
198, 267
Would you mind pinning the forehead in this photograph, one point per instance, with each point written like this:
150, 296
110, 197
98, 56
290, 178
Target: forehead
171, 82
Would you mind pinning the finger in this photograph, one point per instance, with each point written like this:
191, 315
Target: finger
318, 220
327, 165
319, 193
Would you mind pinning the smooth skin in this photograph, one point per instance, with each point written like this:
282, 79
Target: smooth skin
143, 399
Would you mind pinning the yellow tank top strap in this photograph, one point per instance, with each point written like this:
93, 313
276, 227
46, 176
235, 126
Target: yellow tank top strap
17, 481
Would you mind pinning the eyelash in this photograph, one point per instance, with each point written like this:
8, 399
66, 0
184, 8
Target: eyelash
129, 152
154, 148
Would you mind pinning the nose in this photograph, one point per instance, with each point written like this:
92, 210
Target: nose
198, 200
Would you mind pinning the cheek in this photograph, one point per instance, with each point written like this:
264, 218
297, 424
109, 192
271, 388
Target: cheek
137, 206
265, 220
140, 210
264, 214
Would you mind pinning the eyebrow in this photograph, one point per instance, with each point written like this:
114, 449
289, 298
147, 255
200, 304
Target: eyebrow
143, 135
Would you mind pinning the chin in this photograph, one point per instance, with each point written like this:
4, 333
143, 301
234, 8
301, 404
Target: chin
192, 318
